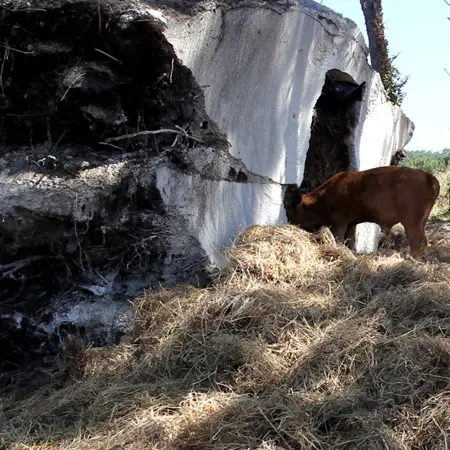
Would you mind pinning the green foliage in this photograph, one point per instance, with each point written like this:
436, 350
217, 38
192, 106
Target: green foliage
391, 78
394, 84
433, 162
444, 216
437, 163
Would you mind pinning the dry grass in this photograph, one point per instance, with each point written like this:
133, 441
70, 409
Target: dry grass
442, 205
299, 345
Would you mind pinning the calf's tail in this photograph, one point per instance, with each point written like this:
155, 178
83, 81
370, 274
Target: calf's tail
435, 186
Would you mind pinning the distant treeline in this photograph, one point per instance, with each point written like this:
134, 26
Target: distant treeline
430, 161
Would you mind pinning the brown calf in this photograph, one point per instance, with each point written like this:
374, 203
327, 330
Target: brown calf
384, 195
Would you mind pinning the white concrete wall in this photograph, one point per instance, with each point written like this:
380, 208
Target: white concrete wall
215, 211
382, 128
262, 71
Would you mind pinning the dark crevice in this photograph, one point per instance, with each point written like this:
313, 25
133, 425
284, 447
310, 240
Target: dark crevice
331, 146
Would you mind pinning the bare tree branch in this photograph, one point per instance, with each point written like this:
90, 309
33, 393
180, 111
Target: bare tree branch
180, 131
17, 265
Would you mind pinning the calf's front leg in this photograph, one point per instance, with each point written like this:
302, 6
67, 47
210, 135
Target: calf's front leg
350, 237
339, 232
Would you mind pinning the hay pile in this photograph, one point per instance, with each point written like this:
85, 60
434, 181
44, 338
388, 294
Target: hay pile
299, 345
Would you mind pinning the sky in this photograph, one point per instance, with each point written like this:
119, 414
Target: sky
421, 34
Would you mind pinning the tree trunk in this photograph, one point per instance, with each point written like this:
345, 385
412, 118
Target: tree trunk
373, 15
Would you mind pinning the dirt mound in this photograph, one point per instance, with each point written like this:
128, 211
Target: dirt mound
80, 72
353, 353
93, 100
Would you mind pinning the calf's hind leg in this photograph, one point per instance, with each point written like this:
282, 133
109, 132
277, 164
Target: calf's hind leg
416, 239
415, 232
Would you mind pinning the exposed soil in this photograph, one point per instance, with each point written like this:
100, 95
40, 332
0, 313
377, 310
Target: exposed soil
79, 201
80, 72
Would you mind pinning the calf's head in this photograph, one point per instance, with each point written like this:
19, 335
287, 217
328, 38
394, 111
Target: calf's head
309, 212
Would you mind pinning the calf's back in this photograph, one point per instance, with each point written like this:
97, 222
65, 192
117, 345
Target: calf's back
384, 195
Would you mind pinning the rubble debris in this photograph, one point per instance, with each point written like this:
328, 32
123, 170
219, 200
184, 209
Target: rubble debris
93, 99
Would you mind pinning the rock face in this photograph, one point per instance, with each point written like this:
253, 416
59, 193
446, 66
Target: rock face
271, 74
138, 139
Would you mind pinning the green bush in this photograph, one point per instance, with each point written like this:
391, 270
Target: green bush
394, 83
433, 162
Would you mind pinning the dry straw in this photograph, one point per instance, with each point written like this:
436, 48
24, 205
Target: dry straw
299, 344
